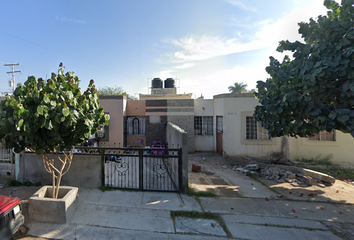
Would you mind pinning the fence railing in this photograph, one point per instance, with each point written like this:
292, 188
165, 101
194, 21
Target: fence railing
5, 154
139, 169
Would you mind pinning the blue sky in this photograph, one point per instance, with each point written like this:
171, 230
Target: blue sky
206, 44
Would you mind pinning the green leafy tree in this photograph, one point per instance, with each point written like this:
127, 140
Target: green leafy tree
51, 116
114, 91
314, 90
237, 87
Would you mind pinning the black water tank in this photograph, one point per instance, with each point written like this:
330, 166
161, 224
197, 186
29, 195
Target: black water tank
156, 83
169, 83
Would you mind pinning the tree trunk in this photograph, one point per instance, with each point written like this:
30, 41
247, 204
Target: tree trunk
57, 173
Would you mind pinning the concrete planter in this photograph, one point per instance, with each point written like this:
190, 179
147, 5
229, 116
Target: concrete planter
43, 208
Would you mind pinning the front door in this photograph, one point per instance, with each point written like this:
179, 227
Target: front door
219, 130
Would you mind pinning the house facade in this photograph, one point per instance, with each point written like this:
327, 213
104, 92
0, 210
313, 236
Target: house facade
224, 124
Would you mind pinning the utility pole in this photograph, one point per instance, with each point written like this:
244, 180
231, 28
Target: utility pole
12, 82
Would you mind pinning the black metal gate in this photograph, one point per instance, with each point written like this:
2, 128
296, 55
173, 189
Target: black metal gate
140, 169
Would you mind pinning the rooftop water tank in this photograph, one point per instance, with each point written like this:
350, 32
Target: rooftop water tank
169, 83
156, 83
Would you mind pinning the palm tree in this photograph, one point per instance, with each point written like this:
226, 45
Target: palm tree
237, 87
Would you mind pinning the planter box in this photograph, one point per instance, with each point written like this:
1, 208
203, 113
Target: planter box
43, 208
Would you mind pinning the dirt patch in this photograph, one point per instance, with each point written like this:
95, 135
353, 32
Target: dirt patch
339, 192
207, 179
23, 193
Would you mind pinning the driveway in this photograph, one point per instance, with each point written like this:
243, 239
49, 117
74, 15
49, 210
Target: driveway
217, 176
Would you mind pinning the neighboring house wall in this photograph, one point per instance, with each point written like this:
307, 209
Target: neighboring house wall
181, 113
155, 121
178, 138
136, 108
115, 107
234, 109
341, 148
204, 108
177, 111
135, 114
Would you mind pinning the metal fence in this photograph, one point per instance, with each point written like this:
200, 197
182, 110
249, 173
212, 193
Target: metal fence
5, 154
140, 169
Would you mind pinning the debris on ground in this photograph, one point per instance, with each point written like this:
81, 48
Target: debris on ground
196, 168
285, 173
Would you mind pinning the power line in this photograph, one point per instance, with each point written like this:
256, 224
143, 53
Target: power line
51, 49
12, 82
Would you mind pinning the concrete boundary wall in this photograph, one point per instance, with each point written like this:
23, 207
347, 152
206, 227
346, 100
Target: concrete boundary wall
176, 137
85, 171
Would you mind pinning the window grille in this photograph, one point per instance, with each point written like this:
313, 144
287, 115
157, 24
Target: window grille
254, 130
203, 125
136, 125
324, 136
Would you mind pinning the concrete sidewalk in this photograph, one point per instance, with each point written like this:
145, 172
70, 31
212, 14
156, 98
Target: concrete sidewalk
146, 215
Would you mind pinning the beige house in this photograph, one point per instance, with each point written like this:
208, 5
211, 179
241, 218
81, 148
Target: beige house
339, 145
224, 124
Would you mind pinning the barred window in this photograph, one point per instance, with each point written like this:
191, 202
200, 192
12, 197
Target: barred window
324, 136
254, 130
136, 125
203, 125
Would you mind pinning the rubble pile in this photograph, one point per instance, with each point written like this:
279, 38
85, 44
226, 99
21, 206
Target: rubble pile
282, 174
277, 174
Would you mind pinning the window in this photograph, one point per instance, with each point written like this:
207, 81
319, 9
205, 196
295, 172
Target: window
103, 132
136, 125
254, 130
324, 136
203, 126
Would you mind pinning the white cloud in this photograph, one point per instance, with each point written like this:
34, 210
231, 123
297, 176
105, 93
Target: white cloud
240, 5
197, 48
208, 85
202, 47
267, 34
286, 28
165, 74
184, 66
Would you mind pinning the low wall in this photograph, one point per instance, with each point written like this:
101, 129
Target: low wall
341, 149
85, 171
177, 138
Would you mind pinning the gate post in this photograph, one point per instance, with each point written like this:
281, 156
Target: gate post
141, 165
103, 166
180, 170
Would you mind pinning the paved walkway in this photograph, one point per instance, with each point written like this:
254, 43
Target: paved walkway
146, 215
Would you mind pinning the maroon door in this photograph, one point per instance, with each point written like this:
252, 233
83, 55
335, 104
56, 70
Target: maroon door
219, 127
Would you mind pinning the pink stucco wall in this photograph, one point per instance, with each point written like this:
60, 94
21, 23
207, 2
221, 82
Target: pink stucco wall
136, 108
114, 106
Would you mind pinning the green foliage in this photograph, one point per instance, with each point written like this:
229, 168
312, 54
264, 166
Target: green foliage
114, 91
318, 160
38, 184
52, 115
14, 183
314, 90
237, 87
106, 188
325, 165
27, 183
194, 214
337, 171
